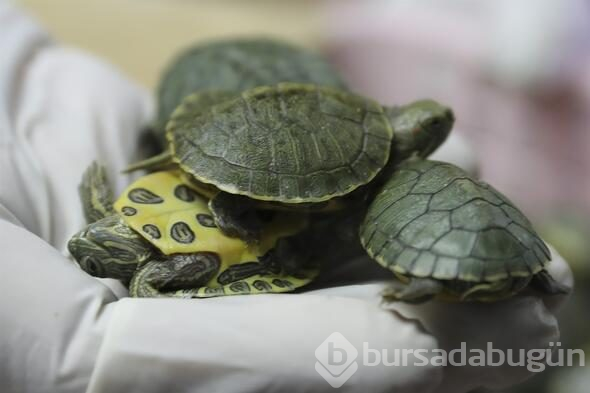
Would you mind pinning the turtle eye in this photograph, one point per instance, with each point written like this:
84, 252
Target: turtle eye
91, 266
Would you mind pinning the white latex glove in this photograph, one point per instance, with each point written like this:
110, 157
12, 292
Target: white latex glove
64, 331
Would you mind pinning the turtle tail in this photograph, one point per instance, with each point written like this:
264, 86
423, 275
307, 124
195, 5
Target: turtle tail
95, 193
156, 162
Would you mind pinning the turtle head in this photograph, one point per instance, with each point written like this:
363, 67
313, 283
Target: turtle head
109, 248
420, 127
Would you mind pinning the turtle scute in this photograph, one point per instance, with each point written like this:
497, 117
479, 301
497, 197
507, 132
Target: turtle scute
431, 219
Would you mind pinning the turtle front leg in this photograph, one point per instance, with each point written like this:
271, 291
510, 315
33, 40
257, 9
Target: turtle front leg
162, 278
236, 216
417, 290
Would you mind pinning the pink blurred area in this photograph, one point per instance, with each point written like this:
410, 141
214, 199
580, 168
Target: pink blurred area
516, 73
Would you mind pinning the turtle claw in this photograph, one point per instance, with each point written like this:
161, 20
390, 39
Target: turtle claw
544, 282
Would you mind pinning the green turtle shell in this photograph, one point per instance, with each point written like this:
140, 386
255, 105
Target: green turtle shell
199, 102
431, 219
237, 65
289, 143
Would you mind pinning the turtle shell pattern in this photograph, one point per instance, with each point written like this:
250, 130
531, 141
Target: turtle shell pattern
288, 143
175, 219
431, 219
198, 103
237, 65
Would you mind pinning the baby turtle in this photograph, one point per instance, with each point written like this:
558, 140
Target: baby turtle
293, 145
159, 236
235, 65
446, 234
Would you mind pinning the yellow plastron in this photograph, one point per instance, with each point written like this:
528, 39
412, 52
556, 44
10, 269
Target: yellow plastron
174, 217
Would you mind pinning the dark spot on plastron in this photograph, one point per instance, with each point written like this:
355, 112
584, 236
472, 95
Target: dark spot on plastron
185, 193
206, 220
143, 196
239, 287
128, 211
152, 231
214, 291
282, 283
182, 233
262, 286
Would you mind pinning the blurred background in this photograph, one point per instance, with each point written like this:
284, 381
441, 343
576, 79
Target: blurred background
517, 74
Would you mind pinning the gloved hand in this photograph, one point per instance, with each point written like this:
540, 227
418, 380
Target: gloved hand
65, 331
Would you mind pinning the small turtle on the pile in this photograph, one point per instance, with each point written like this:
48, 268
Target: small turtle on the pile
235, 65
446, 234
160, 238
